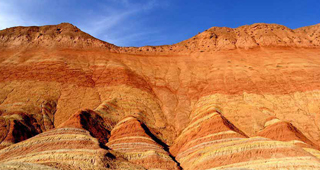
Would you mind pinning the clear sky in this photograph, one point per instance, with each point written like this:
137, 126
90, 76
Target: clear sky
156, 22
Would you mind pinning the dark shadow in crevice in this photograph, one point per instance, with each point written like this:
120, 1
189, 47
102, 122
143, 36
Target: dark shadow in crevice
160, 142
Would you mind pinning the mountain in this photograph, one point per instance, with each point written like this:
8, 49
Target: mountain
226, 98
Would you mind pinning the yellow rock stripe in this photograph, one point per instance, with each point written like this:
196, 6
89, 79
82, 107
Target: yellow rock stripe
195, 124
304, 163
312, 151
232, 147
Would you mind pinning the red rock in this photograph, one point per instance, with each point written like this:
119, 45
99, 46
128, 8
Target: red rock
205, 98
132, 140
16, 127
62, 148
211, 141
90, 121
276, 129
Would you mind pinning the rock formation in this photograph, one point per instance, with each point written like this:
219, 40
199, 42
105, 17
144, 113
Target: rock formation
247, 97
130, 138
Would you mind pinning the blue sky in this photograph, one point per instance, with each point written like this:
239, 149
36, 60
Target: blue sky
156, 22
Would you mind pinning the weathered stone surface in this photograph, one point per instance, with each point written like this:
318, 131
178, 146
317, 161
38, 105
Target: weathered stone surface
276, 129
247, 97
62, 148
18, 126
131, 139
211, 141
90, 121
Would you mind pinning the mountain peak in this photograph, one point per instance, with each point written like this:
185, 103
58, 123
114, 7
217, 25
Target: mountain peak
61, 35
66, 35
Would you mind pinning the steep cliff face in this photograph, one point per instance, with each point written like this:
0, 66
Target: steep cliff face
227, 98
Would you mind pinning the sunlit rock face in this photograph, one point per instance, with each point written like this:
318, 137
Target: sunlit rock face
132, 140
243, 98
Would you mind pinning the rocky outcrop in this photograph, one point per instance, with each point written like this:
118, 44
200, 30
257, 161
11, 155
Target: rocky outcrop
63, 35
46, 149
66, 35
227, 98
276, 129
251, 36
16, 127
244, 37
133, 141
62, 148
211, 141
90, 121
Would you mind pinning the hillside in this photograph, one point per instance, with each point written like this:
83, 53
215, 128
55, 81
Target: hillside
247, 97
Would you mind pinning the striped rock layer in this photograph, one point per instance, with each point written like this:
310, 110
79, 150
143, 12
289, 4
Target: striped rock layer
276, 129
242, 98
62, 148
130, 138
16, 127
210, 141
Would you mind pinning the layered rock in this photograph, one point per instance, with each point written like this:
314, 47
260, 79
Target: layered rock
276, 129
16, 127
244, 37
210, 141
207, 99
64, 35
90, 121
63, 148
124, 93
131, 139
215, 38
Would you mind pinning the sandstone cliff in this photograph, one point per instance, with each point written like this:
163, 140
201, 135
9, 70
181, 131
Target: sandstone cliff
226, 98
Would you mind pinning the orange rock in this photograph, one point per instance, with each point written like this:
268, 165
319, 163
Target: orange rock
16, 127
90, 121
62, 148
276, 129
205, 98
132, 139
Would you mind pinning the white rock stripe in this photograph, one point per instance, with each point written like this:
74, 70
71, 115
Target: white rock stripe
212, 135
193, 125
285, 163
51, 152
216, 150
134, 145
42, 140
131, 137
271, 122
204, 145
146, 154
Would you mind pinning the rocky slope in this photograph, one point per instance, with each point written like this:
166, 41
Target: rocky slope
226, 98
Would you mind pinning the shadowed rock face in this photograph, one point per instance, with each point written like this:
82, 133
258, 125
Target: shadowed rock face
91, 121
243, 98
62, 148
131, 140
285, 131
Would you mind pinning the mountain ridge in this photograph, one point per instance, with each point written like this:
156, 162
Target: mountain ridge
246, 98
66, 35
